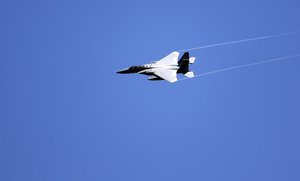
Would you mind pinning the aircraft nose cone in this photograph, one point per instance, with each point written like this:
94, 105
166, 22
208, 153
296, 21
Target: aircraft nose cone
123, 71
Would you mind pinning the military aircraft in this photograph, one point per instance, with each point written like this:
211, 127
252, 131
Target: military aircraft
164, 69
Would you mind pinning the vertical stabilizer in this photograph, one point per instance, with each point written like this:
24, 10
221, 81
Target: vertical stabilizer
183, 63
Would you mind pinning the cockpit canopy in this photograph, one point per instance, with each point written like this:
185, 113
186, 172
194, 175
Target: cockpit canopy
133, 67
136, 68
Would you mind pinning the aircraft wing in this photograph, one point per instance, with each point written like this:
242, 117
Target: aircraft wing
170, 59
166, 74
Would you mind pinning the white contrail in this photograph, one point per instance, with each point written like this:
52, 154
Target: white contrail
239, 41
244, 65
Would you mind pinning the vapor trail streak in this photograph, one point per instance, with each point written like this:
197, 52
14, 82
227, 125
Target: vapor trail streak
245, 65
239, 41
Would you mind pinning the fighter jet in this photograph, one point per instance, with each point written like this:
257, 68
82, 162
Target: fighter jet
164, 69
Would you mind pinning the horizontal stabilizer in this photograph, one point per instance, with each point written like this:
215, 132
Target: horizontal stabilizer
190, 74
192, 60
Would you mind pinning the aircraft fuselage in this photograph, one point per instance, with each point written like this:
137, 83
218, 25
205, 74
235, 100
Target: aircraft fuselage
164, 69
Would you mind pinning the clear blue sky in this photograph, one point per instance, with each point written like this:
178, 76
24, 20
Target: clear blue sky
66, 115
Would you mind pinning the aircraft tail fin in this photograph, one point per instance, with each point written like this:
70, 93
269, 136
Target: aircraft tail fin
183, 63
